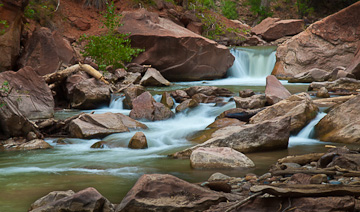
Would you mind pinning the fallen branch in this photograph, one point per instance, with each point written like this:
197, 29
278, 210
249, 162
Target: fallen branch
61, 75
93, 72
243, 201
312, 190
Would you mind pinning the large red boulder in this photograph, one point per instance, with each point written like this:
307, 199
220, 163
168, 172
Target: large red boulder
275, 91
11, 11
45, 50
175, 51
326, 44
273, 28
30, 93
163, 192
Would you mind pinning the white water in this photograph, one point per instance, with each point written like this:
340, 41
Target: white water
304, 137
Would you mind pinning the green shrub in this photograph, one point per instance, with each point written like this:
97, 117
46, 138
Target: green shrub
228, 9
4, 91
257, 9
41, 11
113, 48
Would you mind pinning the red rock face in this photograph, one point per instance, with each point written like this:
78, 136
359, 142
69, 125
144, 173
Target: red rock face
326, 44
12, 13
273, 28
44, 50
176, 52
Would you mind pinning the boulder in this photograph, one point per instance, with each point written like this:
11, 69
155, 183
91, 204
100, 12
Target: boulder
342, 84
268, 135
202, 98
138, 141
176, 52
274, 90
88, 199
131, 93
86, 93
145, 107
341, 124
209, 91
153, 77
299, 107
190, 103
313, 75
11, 11
327, 43
136, 68
163, 192
101, 125
343, 73
239, 113
132, 78
346, 161
253, 102
322, 93
354, 67
271, 29
51, 197
219, 158
167, 100
246, 93
21, 144
30, 93
225, 122
45, 50
180, 95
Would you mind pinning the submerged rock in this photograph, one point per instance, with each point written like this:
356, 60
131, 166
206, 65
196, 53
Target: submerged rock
138, 141
208, 91
190, 103
163, 192
219, 158
14, 144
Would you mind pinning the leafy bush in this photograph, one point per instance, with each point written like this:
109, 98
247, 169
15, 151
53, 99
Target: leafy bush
257, 9
4, 91
228, 9
41, 11
304, 7
113, 48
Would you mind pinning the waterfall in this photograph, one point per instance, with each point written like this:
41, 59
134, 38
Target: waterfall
304, 137
254, 62
116, 102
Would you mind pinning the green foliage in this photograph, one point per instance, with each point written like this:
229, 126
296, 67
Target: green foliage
228, 9
257, 9
4, 91
98, 4
201, 5
113, 48
304, 7
3, 25
41, 11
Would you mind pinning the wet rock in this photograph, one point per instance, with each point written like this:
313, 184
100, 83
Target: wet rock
318, 179
325, 44
240, 114
218, 177
132, 78
225, 122
354, 67
21, 144
51, 197
30, 94
138, 141
273, 28
267, 135
341, 124
153, 77
12, 12
167, 100
209, 91
299, 107
253, 102
145, 107
202, 98
100, 125
131, 93
136, 68
163, 192
86, 93
246, 93
342, 84
275, 91
180, 95
218, 158
344, 74
322, 93
300, 178
88, 199
190, 103
219, 186
191, 57
313, 75
346, 161
45, 50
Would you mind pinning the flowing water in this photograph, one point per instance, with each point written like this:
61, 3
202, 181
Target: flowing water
26, 176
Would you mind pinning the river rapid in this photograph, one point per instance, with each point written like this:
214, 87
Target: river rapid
28, 175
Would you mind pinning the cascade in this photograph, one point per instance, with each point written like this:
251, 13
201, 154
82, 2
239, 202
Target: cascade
254, 62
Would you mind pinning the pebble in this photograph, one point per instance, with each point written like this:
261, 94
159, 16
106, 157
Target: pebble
218, 176
318, 179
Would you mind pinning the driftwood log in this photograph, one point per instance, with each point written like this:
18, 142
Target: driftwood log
298, 190
93, 72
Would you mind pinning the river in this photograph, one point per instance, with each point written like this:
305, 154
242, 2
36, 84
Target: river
28, 175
